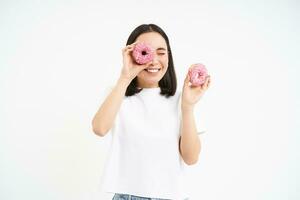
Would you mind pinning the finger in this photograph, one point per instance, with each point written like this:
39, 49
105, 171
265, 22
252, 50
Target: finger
143, 67
187, 82
135, 42
130, 46
187, 79
209, 81
127, 50
192, 66
205, 85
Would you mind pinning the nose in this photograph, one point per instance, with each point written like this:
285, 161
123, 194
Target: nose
155, 59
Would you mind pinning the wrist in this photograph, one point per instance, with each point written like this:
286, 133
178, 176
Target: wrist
187, 108
123, 81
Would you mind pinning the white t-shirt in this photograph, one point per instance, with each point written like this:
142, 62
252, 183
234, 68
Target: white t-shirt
144, 158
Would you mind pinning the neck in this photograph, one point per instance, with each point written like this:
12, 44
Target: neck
141, 85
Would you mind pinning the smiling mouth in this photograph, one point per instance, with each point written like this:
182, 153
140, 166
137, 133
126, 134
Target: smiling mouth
152, 70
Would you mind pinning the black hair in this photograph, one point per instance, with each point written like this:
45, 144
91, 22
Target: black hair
168, 83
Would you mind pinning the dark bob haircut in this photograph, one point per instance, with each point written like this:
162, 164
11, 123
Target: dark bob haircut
168, 83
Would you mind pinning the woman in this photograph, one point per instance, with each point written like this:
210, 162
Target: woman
152, 125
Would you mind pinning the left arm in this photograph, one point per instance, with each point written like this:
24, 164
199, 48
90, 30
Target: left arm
189, 142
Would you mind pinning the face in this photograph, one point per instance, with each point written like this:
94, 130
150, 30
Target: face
148, 79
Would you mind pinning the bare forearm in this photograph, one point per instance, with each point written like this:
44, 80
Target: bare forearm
190, 144
105, 116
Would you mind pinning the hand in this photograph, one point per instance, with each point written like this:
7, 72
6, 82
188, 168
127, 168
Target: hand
192, 94
130, 69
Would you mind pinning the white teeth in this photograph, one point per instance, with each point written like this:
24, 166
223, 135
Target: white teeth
152, 70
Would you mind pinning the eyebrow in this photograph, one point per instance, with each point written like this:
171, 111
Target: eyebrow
161, 48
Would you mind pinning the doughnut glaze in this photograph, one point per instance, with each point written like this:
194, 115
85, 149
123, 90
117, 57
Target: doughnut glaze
198, 74
142, 53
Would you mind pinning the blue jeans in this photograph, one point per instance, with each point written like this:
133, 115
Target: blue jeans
118, 196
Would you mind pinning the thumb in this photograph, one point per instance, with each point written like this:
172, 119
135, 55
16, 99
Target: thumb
187, 79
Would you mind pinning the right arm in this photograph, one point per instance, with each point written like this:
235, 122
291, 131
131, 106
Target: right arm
105, 116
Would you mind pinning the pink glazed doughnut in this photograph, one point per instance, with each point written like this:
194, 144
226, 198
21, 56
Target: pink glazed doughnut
142, 53
198, 74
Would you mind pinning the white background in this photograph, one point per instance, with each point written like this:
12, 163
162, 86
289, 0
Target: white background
57, 57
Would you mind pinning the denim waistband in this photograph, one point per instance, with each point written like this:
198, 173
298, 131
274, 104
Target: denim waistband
118, 196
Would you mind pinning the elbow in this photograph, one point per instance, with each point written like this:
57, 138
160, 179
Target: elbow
191, 161
98, 130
